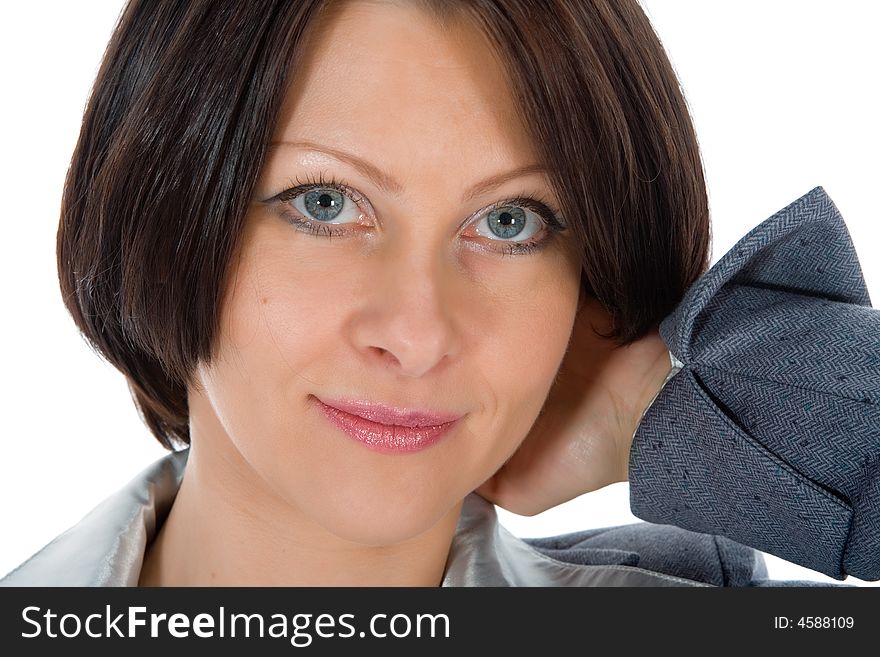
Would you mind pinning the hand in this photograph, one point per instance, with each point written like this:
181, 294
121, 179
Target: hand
582, 437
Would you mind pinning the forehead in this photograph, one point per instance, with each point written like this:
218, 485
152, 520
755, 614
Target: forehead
388, 78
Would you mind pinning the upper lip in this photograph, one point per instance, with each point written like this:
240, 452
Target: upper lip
391, 415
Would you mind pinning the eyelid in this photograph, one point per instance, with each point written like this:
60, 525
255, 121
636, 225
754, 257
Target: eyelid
537, 204
295, 187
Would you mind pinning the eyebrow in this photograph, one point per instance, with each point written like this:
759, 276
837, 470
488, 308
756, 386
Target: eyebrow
389, 185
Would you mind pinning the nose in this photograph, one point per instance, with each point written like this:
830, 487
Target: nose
405, 320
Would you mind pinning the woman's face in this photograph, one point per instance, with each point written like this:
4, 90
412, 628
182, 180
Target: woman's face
414, 293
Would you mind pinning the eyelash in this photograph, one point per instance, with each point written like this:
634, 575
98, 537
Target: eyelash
539, 205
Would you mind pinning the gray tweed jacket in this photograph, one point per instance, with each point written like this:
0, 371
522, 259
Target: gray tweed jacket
770, 432
765, 434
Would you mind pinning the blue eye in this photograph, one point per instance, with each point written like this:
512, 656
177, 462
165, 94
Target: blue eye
508, 222
325, 204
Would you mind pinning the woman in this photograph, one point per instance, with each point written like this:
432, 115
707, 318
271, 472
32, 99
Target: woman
365, 258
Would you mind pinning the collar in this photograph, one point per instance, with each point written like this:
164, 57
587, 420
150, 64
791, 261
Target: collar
106, 548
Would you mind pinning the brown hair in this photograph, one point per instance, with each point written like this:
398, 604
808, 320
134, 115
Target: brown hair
185, 102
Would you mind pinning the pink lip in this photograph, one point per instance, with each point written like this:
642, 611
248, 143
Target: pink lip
385, 429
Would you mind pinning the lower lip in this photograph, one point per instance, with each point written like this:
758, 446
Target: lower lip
385, 438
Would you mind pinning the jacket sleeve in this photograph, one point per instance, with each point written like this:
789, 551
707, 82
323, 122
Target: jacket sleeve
768, 430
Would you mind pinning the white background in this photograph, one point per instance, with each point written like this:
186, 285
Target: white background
783, 93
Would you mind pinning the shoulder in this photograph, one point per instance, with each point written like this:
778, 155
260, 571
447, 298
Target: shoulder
106, 547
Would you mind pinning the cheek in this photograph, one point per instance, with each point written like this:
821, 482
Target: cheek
524, 342
283, 310
275, 324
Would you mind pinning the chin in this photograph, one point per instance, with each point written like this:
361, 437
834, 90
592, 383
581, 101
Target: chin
381, 519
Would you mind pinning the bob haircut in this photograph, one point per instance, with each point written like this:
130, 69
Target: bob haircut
176, 129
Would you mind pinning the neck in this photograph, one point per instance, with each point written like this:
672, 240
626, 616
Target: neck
227, 528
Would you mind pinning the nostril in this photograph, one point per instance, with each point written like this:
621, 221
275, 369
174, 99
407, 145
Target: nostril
384, 354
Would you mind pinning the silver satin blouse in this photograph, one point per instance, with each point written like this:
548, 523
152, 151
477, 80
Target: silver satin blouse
106, 548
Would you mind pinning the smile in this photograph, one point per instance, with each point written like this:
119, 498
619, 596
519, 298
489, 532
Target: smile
385, 438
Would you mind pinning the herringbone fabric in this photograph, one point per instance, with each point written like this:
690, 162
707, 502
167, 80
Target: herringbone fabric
770, 432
